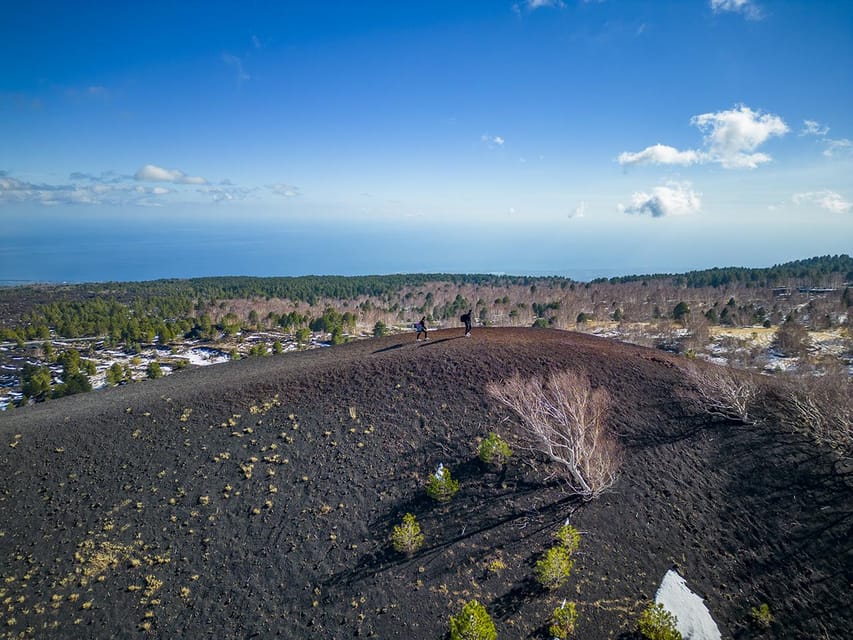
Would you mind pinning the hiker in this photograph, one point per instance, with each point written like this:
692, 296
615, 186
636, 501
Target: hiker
421, 327
466, 318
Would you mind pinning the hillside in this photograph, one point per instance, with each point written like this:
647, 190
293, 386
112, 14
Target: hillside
256, 498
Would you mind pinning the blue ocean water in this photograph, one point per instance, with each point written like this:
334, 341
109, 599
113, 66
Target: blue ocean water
101, 249
77, 245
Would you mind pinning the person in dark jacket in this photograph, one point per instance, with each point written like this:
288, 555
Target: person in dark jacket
466, 318
421, 328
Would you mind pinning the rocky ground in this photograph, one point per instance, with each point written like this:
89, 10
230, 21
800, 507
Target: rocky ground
255, 499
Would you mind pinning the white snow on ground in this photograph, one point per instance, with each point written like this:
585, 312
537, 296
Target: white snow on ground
778, 363
606, 332
201, 357
694, 620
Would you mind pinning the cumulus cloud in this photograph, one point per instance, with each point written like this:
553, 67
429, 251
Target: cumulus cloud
106, 188
226, 193
110, 188
661, 154
834, 147
15, 190
285, 190
826, 199
671, 199
579, 211
747, 7
813, 128
153, 173
533, 5
731, 138
492, 141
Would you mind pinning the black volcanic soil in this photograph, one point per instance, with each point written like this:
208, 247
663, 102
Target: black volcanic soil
198, 505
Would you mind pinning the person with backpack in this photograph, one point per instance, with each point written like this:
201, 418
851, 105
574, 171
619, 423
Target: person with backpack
466, 319
421, 327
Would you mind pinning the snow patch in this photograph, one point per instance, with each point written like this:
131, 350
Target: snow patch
694, 619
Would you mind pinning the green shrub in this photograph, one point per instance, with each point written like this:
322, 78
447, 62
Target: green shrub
258, 350
441, 486
656, 623
154, 371
554, 567
115, 374
568, 537
407, 537
563, 621
472, 623
497, 565
761, 616
494, 450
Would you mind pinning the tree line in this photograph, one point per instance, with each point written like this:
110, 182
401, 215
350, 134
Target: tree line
139, 312
811, 271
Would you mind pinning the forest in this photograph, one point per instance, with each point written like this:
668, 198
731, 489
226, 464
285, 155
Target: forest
58, 340
137, 312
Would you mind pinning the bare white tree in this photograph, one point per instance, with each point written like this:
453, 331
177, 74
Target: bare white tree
724, 391
822, 406
564, 418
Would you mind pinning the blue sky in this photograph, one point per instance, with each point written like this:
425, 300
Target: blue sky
576, 137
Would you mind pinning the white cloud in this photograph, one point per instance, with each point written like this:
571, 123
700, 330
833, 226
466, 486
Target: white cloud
286, 190
153, 173
732, 136
256, 42
672, 199
532, 5
105, 177
492, 141
15, 190
579, 211
813, 128
106, 189
237, 64
747, 7
226, 193
661, 154
826, 199
837, 146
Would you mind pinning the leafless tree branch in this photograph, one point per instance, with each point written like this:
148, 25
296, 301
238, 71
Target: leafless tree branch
724, 392
564, 418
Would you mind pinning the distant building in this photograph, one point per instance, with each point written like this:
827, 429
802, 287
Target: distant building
817, 290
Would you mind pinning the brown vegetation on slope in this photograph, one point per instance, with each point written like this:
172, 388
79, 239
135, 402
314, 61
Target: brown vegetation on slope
256, 499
